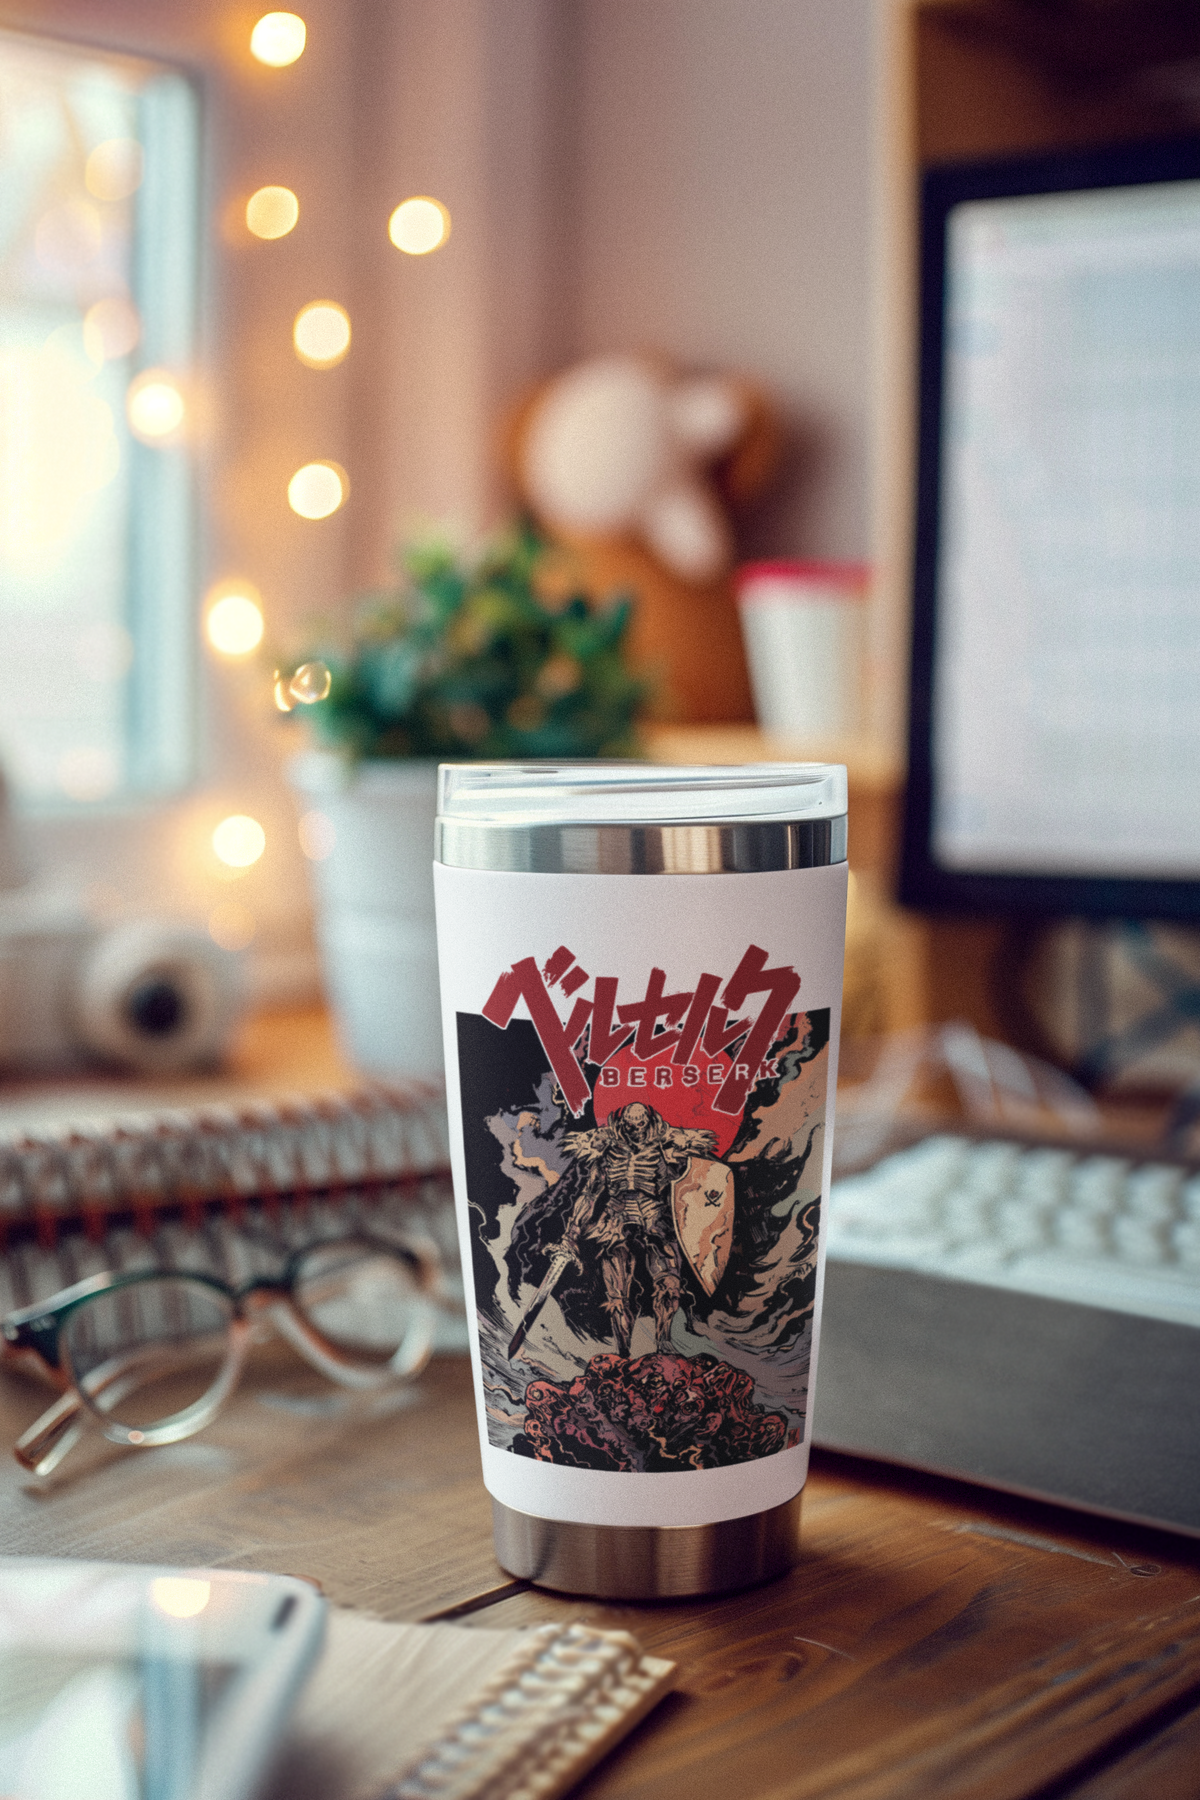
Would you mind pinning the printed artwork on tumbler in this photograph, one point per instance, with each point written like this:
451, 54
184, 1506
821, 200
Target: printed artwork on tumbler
644, 1189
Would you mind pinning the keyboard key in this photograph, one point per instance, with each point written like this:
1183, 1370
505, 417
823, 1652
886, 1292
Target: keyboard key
1097, 1229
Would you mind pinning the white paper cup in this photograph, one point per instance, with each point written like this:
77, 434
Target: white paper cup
804, 627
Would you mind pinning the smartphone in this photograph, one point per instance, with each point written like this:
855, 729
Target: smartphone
126, 1683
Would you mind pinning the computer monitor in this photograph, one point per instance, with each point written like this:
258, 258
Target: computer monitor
1055, 693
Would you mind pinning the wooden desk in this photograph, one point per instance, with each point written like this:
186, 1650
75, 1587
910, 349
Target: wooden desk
935, 1641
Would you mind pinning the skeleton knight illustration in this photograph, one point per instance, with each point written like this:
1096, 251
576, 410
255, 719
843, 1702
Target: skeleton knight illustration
648, 1195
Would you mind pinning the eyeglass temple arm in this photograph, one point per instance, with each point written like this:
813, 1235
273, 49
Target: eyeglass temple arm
48, 1439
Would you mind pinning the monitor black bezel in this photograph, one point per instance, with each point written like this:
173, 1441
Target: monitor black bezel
925, 883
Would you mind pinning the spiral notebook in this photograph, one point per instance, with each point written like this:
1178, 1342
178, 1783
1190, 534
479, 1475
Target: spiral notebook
224, 1189
438, 1712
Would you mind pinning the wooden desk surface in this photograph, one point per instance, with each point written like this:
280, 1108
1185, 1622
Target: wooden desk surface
935, 1640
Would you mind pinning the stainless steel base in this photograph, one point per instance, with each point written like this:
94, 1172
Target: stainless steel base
648, 1562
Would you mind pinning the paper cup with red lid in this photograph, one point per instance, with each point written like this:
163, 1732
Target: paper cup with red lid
804, 627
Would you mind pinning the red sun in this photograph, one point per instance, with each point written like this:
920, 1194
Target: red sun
623, 1080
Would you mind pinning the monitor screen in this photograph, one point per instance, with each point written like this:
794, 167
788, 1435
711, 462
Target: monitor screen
1055, 715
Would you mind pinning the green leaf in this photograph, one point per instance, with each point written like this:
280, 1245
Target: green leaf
447, 663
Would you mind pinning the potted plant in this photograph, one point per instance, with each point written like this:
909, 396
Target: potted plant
490, 658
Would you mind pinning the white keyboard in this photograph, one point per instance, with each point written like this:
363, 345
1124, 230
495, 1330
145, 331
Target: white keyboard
1069, 1225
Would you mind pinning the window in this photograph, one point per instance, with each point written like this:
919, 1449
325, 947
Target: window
98, 234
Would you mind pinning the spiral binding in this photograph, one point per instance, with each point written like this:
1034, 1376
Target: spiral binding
230, 1190
221, 1155
552, 1709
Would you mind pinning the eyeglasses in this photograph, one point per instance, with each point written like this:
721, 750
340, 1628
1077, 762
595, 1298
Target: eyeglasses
152, 1356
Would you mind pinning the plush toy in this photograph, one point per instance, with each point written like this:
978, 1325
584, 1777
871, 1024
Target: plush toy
632, 467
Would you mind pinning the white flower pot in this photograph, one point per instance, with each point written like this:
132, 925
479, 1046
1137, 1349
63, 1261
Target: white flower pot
373, 889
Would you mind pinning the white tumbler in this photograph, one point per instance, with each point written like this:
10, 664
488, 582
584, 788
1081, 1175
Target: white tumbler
641, 973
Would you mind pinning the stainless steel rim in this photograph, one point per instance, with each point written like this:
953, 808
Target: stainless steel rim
648, 1562
751, 848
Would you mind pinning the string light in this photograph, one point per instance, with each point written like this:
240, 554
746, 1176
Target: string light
233, 623
272, 212
154, 406
278, 39
239, 841
419, 225
321, 334
318, 489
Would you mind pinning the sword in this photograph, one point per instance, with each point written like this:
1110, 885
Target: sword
558, 1262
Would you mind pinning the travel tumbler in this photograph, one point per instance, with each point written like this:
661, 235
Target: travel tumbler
641, 974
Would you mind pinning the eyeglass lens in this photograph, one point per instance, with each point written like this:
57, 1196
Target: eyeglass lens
148, 1351
360, 1298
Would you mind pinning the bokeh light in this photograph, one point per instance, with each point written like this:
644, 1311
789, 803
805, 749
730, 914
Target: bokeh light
111, 329
311, 682
154, 406
58, 449
321, 334
232, 926
272, 212
419, 225
318, 489
114, 169
180, 1596
239, 841
278, 39
233, 622
318, 835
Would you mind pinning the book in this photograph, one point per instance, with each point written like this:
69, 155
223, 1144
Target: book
221, 1187
410, 1712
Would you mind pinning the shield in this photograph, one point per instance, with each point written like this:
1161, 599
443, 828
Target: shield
702, 1207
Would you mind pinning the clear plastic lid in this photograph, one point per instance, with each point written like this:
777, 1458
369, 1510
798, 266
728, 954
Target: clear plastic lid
627, 793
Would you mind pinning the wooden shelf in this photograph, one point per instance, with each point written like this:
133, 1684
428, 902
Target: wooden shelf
870, 767
1101, 44
273, 1054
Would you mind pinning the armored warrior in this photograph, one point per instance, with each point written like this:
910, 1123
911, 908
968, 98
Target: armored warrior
624, 1214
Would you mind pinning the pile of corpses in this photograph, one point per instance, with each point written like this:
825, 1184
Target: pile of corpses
650, 1413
